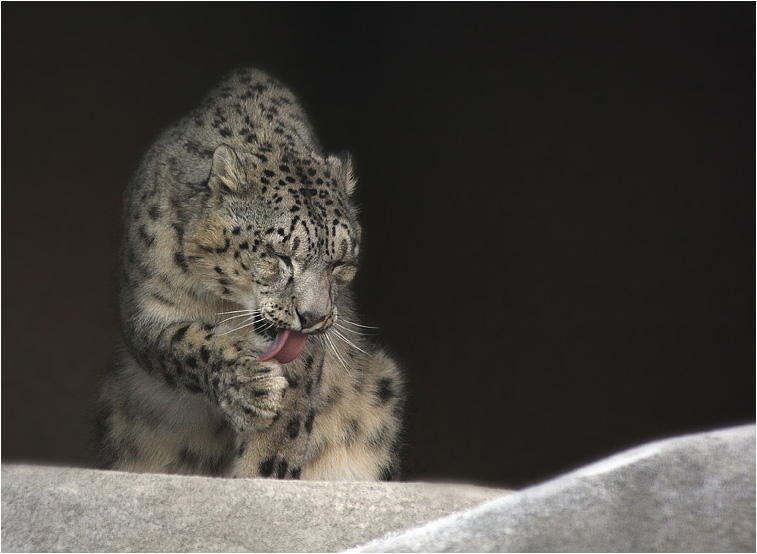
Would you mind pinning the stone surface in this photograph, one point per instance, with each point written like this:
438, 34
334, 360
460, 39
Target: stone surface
693, 493
690, 494
47, 509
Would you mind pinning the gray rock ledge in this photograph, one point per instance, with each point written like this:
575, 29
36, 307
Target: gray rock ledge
688, 494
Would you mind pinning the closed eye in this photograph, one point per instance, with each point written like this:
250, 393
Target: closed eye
343, 271
342, 264
287, 260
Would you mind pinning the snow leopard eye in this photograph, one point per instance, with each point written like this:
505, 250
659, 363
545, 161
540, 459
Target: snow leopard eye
287, 261
343, 271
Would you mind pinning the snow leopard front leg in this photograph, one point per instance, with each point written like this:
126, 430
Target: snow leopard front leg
281, 450
226, 371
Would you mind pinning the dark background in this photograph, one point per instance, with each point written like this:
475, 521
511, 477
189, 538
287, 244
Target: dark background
558, 204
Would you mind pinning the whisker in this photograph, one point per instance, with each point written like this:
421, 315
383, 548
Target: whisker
238, 311
235, 317
343, 328
359, 325
238, 328
323, 340
348, 341
341, 358
336, 352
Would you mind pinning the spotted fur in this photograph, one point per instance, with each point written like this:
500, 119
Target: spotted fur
236, 208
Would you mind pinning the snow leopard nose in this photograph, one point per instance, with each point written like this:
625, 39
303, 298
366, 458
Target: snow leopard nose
309, 319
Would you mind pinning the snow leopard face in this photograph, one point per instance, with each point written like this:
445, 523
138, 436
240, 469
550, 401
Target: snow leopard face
278, 236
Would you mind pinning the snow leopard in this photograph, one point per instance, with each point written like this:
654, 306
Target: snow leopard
241, 353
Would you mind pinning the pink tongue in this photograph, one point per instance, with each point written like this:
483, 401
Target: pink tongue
286, 347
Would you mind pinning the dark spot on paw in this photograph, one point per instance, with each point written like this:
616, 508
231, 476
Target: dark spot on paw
309, 421
384, 390
293, 427
281, 469
266, 466
179, 334
189, 457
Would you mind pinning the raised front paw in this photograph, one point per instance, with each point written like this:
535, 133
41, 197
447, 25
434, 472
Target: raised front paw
251, 392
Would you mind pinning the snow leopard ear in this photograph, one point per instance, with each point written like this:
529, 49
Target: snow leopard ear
342, 164
227, 174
